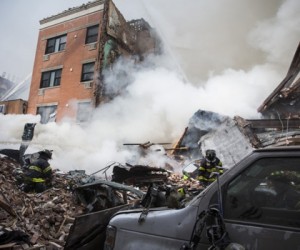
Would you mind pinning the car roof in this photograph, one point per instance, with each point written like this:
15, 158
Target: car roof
281, 148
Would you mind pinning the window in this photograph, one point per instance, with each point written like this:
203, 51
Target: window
47, 113
84, 110
266, 193
91, 34
2, 108
51, 78
87, 72
56, 44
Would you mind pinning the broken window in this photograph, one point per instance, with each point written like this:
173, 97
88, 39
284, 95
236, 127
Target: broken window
56, 44
87, 72
51, 78
91, 34
47, 113
84, 110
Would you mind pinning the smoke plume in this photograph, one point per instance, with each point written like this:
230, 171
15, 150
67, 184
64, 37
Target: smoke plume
222, 56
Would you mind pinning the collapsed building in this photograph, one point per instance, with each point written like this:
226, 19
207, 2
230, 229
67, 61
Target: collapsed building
75, 210
284, 101
234, 138
75, 222
73, 214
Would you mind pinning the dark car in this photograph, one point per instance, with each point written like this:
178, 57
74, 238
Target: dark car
256, 204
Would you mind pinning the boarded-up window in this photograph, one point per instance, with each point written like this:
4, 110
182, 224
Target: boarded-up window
47, 113
84, 110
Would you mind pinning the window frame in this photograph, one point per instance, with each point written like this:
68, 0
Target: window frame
50, 78
56, 44
262, 218
86, 73
92, 37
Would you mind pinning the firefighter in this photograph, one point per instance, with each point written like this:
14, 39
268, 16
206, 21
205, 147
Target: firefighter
209, 167
38, 176
185, 176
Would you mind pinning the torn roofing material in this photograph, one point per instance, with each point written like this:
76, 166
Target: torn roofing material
209, 130
285, 98
234, 138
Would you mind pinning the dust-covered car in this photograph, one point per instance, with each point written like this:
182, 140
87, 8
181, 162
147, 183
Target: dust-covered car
253, 205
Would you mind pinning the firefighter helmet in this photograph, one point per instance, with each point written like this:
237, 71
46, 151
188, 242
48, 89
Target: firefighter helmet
210, 154
46, 154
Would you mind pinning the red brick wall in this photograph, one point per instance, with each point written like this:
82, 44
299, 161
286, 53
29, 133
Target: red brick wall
75, 53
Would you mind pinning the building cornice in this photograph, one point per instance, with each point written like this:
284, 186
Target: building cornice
72, 13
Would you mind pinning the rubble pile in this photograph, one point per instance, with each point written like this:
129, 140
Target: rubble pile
188, 184
46, 217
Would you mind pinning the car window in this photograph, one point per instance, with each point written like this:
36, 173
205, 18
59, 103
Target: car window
268, 192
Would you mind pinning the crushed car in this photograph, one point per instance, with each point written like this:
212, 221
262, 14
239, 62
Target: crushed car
238, 210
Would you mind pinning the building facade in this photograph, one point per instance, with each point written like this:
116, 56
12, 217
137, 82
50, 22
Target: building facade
72, 50
17, 106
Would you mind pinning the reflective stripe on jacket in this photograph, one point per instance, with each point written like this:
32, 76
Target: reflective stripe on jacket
38, 169
38, 180
206, 168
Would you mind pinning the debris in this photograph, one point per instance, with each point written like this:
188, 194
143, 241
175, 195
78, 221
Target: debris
44, 217
48, 217
139, 175
146, 144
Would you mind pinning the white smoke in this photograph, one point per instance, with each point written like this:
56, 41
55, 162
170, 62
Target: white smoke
211, 36
233, 53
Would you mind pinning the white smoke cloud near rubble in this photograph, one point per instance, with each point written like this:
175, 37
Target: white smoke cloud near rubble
234, 54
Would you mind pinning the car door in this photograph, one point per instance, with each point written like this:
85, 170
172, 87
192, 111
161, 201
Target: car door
262, 204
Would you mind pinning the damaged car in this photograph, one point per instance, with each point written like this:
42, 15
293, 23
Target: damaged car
238, 211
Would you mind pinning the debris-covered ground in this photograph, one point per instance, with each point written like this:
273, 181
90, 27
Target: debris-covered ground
46, 217
43, 220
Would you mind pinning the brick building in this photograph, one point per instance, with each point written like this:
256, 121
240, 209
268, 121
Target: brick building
73, 49
17, 106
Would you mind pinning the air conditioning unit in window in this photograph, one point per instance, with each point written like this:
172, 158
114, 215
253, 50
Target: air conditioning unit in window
88, 85
92, 46
2, 108
46, 57
41, 92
